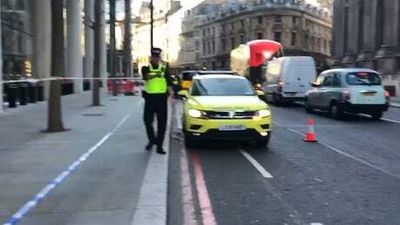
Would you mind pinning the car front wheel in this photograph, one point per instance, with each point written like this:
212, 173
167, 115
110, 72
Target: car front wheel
377, 115
264, 142
336, 112
308, 106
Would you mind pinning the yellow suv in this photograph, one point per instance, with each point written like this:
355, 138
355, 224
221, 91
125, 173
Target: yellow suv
224, 107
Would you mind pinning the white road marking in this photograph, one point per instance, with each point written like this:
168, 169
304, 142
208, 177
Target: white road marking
316, 224
389, 120
257, 165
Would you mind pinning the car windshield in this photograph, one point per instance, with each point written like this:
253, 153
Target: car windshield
363, 78
222, 87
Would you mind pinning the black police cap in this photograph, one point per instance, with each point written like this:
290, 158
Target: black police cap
156, 52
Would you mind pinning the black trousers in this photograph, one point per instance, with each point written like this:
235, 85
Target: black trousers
156, 105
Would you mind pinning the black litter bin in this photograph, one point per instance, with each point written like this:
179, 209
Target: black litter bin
12, 90
40, 93
32, 93
23, 94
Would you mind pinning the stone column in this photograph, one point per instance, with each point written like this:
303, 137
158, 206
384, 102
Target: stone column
1, 70
387, 52
74, 54
41, 60
89, 39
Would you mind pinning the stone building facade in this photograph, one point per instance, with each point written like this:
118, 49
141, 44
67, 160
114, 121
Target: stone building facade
16, 36
301, 28
366, 33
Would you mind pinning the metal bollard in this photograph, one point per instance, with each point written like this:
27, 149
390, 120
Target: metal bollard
32, 93
23, 94
12, 95
40, 93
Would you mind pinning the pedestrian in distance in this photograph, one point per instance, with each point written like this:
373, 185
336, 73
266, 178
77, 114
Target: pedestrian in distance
157, 80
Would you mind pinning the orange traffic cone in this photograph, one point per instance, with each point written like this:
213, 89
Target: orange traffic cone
310, 135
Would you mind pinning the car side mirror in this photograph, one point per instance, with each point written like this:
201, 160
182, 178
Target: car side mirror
316, 85
183, 93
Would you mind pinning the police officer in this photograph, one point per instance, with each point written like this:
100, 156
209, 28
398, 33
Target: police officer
157, 79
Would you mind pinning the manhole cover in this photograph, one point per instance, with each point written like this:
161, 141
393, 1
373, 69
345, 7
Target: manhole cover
113, 99
92, 114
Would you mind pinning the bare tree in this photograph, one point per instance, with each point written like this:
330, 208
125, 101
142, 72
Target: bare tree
127, 38
54, 118
98, 10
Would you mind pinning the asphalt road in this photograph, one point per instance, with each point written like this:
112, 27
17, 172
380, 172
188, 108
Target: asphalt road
351, 176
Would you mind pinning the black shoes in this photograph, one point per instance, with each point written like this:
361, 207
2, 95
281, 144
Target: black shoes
161, 151
149, 146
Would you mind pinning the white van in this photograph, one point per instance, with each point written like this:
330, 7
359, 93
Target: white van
289, 78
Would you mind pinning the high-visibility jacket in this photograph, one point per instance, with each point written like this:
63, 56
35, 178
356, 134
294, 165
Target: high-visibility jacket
156, 85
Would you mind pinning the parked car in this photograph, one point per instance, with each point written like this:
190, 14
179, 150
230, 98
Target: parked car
288, 78
354, 90
224, 107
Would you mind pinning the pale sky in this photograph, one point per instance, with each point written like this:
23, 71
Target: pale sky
187, 4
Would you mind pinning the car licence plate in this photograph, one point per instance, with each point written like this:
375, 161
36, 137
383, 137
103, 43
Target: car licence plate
232, 127
369, 93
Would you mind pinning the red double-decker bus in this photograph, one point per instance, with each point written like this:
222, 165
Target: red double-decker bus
248, 59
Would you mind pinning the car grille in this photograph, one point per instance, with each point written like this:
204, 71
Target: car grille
230, 114
214, 134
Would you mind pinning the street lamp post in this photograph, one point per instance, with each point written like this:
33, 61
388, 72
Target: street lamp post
151, 25
1, 71
112, 47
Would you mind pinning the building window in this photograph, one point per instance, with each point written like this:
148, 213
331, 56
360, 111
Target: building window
259, 19
197, 45
380, 23
306, 40
233, 45
294, 20
204, 47
260, 35
213, 47
213, 31
208, 47
242, 24
278, 36
345, 33
233, 26
204, 33
224, 28
223, 43
242, 39
278, 19
293, 41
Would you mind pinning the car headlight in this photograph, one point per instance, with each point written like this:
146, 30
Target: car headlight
195, 113
263, 113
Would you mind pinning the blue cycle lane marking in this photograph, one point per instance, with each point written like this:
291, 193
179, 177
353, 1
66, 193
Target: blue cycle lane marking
16, 217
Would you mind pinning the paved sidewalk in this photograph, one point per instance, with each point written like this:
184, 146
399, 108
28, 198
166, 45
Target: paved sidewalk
104, 189
395, 102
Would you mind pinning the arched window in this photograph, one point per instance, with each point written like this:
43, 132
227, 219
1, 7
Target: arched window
380, 22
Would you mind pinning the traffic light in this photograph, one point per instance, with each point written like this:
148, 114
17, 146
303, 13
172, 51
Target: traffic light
27, 68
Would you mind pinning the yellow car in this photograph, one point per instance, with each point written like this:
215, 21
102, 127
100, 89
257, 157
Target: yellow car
224, 107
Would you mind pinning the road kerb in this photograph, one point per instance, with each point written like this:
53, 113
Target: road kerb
152, 204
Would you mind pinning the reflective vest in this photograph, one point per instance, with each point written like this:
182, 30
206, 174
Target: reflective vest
156, 85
